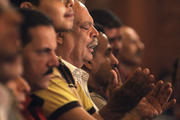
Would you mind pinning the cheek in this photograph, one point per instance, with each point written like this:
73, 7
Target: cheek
133, 48
39, 65
82, 44
58, 13
54, 12
35, 64
117, 44
128, 49
99, 61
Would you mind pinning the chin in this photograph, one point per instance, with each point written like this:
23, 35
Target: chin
89, 58
21, 106
136, 61
67, 26
44, 83
64, 27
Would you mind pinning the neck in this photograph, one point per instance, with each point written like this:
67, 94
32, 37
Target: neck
63, 53
66, 55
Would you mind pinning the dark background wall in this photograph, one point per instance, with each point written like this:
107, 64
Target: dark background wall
158, 24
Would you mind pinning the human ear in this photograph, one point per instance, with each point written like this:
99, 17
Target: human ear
27, 5
60, 37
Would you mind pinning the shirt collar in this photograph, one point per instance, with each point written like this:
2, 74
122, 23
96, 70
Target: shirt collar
78, 73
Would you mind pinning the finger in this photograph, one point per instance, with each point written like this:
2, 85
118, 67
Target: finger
146, 71
150, 84
152, 78
169, 104
144, 81
118, 77
138, 69
165, 97
155, 91
139, 82
114, 81
165, 93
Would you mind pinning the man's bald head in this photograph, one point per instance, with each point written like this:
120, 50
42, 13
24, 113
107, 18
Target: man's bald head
78, 8
81, 35
132, 46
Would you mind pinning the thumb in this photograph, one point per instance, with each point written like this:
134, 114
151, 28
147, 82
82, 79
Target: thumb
114, 81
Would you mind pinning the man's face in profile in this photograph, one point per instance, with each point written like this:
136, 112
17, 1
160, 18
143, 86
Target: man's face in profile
82, 34
60, 11
39, 56
102, 62
132, 47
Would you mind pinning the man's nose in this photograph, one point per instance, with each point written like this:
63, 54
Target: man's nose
53, 60
70, 3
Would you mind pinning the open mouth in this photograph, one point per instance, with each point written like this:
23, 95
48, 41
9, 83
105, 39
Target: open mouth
93, 44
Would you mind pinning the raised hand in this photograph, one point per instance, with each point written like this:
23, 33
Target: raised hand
114, 83
128, 96
156, 101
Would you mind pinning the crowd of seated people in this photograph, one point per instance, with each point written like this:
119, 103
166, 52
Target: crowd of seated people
59, 62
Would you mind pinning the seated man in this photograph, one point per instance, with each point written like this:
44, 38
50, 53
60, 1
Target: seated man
99, 71
65, 98
38, 40
101, 77
130, 54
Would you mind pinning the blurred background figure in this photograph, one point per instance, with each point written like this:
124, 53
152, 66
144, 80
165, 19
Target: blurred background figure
20, 88
126, 44
157, 22
158, 25
130, 54
10, 59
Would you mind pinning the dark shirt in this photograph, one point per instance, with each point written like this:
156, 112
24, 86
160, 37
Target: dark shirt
33, 108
